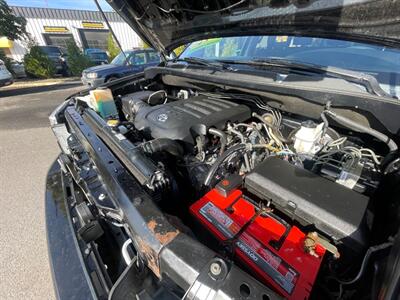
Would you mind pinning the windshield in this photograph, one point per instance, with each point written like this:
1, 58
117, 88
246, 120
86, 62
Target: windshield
91, 50
120, 59
51, 50
98, 55
381, 62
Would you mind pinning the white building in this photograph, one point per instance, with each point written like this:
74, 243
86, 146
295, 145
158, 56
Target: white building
50, 26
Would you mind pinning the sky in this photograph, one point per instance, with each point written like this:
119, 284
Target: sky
67, 4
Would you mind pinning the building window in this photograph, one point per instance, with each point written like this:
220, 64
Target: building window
57, 39
94, 38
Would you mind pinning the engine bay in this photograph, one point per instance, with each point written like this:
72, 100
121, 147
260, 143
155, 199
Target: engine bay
289, 199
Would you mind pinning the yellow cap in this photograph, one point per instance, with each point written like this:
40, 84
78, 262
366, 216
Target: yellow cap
112, 123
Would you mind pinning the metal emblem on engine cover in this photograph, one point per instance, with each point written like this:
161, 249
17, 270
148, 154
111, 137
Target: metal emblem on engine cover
162, 117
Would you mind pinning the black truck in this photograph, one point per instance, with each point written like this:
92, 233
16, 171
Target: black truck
260, 163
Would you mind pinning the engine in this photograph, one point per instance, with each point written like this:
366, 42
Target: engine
286, 197
178, 120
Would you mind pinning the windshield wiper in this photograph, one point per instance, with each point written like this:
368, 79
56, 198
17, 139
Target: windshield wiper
204, 62
368, 81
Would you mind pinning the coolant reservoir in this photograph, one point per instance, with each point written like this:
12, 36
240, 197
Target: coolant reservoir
102, 101
308, 137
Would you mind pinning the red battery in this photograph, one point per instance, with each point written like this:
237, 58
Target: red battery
269, 246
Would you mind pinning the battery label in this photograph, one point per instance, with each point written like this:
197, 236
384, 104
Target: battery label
279, 271
220, 220
272, 265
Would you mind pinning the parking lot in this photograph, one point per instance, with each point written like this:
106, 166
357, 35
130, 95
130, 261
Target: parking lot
27, 148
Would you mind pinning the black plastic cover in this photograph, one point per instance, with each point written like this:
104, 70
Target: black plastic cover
130, 101
333, 209
226, 186
174, 120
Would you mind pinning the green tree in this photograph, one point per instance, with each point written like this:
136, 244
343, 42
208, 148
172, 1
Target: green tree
230, 47
112, 47
11, 26
38, 64
179, 50
76, 60
144, 45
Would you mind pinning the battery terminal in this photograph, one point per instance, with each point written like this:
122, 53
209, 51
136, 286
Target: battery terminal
312, 240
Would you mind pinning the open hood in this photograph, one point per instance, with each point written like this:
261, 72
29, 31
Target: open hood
166, 24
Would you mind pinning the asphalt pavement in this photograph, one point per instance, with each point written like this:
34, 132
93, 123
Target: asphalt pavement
27, 149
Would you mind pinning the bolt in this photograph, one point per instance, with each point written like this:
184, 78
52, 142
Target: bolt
137, 201
102, 197
215, 269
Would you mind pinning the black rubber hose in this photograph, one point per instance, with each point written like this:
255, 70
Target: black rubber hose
326, 123
289, 139
163, 144
135, 105
364, 129
140, 165
220, 160
222, 138
364, 263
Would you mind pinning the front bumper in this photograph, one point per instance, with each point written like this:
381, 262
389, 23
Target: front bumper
92, 82
6, 81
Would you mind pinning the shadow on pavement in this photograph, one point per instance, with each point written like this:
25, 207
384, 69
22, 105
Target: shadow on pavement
9, 92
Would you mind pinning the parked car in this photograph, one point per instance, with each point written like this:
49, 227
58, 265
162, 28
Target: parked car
6, 77
262, 163
97, 56
127, 63
18, 69
90, 50
59, 57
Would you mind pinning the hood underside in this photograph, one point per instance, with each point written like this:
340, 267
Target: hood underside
166, 24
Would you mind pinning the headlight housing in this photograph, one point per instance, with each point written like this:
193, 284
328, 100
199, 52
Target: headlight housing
91, 75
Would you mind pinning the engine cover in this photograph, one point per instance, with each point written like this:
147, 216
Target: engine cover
270, 247
174, 120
